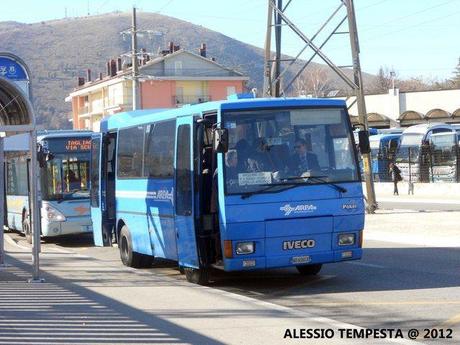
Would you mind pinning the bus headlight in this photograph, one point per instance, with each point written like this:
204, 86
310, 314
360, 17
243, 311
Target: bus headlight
54, 215
244, 248
346, 239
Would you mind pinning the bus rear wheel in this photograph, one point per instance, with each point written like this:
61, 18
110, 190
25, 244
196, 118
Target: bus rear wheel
127, 255
26, 230
309, 270
197, 276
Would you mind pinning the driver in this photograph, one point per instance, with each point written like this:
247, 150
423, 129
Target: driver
303, 160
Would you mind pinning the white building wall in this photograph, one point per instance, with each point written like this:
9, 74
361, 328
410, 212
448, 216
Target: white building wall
394, 103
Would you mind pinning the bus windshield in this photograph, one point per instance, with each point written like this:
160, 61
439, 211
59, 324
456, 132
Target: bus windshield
286, 147
66, 176
443, 146
409, 148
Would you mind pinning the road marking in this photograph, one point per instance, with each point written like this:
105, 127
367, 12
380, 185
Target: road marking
334, 304
450, 322
357, 263
299, 313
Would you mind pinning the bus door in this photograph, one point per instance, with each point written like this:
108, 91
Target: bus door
184, 195
96, 188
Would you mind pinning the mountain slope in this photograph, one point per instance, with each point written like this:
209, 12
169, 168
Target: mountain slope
58, 51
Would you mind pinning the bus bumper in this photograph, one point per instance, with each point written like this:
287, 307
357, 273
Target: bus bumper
281, 261
72, 225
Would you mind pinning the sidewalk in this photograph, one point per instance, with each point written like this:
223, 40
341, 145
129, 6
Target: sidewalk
423, 192
428, 229
89, 301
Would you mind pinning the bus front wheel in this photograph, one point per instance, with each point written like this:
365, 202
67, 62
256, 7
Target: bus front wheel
26, 230
197, 276
309, 270
127, 255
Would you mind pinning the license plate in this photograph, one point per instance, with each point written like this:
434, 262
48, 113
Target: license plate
301, 259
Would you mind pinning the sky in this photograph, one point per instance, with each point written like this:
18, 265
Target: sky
412, 37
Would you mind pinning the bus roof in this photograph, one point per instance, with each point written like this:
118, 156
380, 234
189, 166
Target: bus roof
41, 135
20, 142
425, 127
384, 136
139, 117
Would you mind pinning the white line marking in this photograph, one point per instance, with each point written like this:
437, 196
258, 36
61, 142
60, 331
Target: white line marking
357, 263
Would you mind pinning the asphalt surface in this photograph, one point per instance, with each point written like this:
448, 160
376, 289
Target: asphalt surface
395, 285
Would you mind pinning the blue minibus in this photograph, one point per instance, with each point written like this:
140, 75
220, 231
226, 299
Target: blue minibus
239, 184
383, 150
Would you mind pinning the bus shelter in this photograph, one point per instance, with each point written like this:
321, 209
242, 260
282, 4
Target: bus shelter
17, 116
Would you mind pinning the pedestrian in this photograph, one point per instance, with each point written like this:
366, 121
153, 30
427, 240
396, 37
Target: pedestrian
395, 174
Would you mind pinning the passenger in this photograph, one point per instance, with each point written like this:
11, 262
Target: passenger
303, 161
243, 150
395, 174
231, 163
72, 182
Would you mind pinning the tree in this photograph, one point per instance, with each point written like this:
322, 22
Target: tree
456, 78
383, 81
314, 81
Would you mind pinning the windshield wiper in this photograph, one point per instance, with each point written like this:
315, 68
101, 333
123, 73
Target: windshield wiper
320, 178
270, 186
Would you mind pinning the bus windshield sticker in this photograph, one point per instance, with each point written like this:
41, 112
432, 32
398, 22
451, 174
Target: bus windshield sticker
274, 141
315, 117
230, 124
257, 178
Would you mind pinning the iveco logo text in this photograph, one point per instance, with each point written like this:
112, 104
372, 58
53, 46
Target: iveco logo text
288, 209
299, 244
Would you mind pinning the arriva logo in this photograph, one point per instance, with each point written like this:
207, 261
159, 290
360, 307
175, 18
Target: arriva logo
288, 209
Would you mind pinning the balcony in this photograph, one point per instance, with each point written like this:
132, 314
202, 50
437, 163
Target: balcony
189, 99
82, 111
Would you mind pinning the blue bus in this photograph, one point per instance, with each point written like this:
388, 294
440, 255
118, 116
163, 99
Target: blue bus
63, 180
240, 184
383, 151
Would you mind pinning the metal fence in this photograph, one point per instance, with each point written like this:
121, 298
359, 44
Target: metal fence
427, 163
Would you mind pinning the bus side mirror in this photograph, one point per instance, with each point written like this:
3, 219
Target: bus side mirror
220, 140
364, 144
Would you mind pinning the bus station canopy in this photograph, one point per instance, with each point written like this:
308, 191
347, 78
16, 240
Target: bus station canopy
16, 112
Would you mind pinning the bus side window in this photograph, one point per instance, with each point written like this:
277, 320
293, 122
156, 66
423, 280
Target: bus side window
183, 175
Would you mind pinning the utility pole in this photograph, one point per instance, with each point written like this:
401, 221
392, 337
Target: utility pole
367, 161
2, 203
356, 84
277, 66
135, 67
267, 63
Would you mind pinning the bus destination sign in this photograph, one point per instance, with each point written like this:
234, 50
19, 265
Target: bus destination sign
78, 145
62, 145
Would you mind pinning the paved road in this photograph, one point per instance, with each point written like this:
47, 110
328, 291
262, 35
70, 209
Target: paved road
396, 285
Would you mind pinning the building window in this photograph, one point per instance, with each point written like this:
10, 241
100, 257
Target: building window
178, 67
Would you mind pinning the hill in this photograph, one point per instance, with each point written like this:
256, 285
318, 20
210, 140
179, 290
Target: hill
59, 51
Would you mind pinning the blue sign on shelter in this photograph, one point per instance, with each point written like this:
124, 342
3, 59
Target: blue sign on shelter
11, 69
